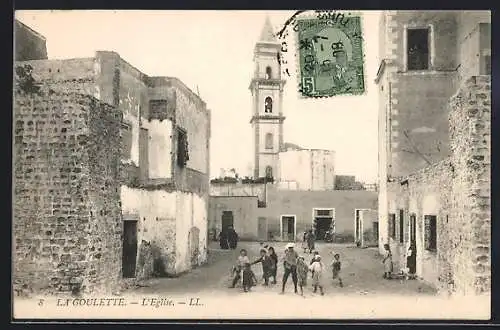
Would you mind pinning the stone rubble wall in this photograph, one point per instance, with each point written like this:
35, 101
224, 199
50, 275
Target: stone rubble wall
66, 211
459, 188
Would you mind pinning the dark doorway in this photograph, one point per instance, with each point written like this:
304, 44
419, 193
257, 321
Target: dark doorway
288, 228
227, 219
321, 226
129, 248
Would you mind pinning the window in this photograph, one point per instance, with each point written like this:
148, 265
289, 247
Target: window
158, 109
418, 49
126, 132
401, 226
269, 141
269, 72
430, 233
269, 172
268, 105
182, 148
392, 225
324, 213
413, 228
485, 48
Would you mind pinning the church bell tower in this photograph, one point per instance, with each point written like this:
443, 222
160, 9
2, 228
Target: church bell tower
267, 111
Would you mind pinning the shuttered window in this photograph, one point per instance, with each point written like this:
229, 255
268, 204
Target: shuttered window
401, 226
430, 232
182, 148
392, 225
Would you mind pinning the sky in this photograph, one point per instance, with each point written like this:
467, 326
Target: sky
212, 52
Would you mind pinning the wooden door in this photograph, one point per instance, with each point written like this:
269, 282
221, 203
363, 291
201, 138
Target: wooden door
227, 219
129, 248
288, 228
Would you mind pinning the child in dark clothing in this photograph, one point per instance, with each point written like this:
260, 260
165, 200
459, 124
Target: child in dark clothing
302, 271
249, 278
266, 265
274, 265
336, 265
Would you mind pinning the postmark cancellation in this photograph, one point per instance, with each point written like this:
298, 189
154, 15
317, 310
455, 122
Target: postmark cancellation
330, 56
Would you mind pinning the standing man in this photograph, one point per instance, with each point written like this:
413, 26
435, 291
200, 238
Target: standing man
290, 265
310, 240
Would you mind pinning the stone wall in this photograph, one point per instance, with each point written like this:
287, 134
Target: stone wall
456, 191
28, 44
470, 125
66, 212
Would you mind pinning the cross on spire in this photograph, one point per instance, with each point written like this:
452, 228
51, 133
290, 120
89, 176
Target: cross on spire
267, 34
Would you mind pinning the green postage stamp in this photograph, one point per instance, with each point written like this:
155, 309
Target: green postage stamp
330, 57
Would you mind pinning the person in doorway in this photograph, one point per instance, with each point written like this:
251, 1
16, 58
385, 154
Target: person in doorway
223, 239
302, 272
387, 261
240, 264
304, 241
249, 278
290, 265
317, 268
310, 240
266, 265
336, 266
232, 238
411, 260
274, 265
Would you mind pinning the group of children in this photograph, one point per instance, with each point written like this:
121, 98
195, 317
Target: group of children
318, 269
298, 268
243, 271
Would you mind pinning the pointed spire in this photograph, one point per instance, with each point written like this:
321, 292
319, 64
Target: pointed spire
267, 34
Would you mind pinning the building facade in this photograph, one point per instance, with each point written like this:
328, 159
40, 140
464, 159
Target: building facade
111, 175
266, 212
435, 72
317, 171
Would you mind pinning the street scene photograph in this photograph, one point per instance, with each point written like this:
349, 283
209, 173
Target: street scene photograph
251, 164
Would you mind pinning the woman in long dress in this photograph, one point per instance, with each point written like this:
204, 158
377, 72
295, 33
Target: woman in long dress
411, 260
387, 261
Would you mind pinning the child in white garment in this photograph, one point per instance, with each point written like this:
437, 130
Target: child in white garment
317, 268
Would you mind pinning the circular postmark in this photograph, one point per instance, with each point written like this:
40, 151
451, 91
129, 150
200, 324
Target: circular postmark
328, 52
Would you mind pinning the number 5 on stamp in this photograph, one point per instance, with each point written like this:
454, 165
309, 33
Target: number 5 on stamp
308, 86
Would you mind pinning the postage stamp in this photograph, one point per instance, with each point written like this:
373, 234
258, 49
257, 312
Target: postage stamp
330, 55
